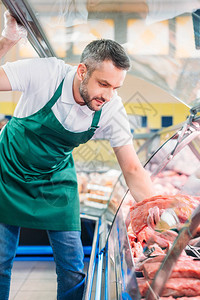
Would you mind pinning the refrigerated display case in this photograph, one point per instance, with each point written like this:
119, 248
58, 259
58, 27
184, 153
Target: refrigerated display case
175, 167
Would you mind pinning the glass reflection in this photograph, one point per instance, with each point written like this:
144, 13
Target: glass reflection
160, 37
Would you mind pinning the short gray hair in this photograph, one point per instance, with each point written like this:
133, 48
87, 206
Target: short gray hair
100, 50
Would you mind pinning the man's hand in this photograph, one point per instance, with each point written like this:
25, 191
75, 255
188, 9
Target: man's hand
12, 30
162, 219
153, 217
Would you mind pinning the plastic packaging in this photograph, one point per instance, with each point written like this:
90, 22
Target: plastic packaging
160, 10
74, 12
12, 30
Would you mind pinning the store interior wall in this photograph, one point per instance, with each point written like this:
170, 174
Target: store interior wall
154, 106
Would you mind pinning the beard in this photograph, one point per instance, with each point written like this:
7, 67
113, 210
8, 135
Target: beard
86, 97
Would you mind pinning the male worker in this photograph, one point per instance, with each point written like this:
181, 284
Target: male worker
60, 108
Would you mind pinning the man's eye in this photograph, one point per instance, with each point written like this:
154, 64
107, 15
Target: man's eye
102, 84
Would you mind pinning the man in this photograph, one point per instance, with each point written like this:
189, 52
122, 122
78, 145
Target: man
61, 107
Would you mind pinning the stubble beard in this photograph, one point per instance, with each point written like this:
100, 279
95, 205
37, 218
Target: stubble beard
85, 95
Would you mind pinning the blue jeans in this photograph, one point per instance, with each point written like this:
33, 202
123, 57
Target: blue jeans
68, 256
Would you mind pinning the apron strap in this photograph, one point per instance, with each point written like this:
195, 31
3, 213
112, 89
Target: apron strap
95, 120
56, 95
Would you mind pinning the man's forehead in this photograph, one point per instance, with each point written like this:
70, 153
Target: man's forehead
110, 74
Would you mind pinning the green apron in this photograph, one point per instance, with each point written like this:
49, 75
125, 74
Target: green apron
38, 186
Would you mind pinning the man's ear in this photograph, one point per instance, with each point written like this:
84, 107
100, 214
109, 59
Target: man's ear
81, 71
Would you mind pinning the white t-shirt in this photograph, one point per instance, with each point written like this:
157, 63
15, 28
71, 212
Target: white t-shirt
38, 79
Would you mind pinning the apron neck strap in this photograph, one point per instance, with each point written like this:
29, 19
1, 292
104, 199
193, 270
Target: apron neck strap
56, 95
95, 120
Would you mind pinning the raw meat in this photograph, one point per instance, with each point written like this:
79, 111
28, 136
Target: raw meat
179, 287
182, 204
149, 236
182, 298
136, 249
186, 269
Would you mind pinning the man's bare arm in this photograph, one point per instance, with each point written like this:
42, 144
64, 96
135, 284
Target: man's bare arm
137, 178
5, 45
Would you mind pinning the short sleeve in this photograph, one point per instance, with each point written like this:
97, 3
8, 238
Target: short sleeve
120, 133
27, 73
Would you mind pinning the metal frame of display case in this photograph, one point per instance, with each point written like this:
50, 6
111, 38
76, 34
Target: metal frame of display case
24, 14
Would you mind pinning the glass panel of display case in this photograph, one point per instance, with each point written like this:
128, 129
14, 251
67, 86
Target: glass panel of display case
163, 231
161, 38
120, 264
